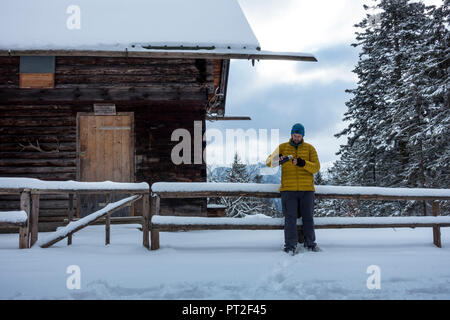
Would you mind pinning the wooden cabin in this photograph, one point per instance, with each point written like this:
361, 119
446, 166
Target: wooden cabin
101, 101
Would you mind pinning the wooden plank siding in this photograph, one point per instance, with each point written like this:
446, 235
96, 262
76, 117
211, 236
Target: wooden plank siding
103, 79
38, 126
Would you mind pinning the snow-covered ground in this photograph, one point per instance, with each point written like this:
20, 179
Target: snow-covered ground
229, 265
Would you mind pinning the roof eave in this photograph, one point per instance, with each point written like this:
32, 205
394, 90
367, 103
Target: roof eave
183, 54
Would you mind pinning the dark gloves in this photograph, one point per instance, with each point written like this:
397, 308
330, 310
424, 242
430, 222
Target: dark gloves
301, 162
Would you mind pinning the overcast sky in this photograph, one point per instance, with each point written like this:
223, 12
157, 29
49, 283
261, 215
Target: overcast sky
277, 94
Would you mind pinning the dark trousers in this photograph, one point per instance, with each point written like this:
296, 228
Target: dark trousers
293, 202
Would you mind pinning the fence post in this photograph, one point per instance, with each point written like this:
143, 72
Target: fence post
436, 229
34, 219
69, 237
155, 233
108, 222
145, 221
25, 204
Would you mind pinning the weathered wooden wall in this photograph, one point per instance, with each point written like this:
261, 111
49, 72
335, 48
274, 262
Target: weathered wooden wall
38, 126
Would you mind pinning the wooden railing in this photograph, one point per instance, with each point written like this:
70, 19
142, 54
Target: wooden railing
30, 193
31, 189
203, 190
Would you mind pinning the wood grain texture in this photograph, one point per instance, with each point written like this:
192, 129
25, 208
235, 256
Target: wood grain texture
37, 80
106, 152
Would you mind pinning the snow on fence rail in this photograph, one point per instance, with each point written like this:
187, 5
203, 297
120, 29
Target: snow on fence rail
16, 219
13, 217
278, 223
30, 189
8, 185
199, 189
202, 189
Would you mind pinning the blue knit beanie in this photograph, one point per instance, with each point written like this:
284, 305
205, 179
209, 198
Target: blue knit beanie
298, 128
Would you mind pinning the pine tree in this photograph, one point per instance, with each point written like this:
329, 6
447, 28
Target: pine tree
435, 76
407, 109
364, 111
399, 112
318, 179
436, 92
238, 172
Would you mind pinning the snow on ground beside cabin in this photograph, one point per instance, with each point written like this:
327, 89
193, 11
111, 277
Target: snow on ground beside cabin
229, 265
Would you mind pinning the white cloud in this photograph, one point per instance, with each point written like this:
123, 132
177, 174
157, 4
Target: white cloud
305, 25
273, 72
302, 25
267, 74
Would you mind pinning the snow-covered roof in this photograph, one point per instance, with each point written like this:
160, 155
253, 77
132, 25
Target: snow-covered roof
115, 25
172, 28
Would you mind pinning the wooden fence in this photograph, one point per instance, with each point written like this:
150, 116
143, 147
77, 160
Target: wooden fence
152, 222
29, 202
204, 190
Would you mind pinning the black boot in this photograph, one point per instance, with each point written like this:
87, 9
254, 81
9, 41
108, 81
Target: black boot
313, 248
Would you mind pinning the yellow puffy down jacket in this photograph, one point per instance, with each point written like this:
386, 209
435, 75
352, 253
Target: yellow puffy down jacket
293, 177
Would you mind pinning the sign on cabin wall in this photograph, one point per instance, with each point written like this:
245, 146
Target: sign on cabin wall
104, 109
37, 72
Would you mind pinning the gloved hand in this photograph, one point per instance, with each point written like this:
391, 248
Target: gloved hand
284, 159
277, 159
300, 162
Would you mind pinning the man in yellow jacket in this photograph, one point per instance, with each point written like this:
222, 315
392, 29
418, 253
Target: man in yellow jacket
299, 162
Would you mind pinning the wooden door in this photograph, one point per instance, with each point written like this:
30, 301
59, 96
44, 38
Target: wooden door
105, 153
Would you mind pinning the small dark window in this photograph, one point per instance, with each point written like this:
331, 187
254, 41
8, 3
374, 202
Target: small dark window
37, 72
